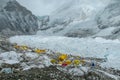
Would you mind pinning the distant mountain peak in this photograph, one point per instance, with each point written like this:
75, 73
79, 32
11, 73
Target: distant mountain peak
13, 5
16, 19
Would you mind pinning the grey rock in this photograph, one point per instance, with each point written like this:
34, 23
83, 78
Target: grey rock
16, 19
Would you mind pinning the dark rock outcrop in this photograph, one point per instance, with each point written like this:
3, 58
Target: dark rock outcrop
16, 19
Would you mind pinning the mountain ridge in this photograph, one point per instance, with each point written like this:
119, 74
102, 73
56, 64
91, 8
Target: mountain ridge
16, 19
98, 19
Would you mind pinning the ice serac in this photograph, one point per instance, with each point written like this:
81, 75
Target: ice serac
16, 19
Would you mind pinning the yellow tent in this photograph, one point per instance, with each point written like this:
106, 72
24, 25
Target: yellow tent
68, 62
62, 57
76, 62
39, 51
16, 46
53, 61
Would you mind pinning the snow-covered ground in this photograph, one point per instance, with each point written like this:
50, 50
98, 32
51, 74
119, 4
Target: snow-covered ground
86, 47
10, 57
13, 57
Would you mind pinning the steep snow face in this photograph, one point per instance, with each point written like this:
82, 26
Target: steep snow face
16, 19
83, 18
75, 18
110, 17
78, 9
72, 29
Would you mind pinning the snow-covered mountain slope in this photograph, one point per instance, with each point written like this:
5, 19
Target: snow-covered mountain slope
78, 10
16, 19
83, 18
73, 29
85, 47
75, 18
110, 17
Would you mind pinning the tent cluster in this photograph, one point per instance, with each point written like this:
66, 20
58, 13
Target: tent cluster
64, 60
61, 59
26, 48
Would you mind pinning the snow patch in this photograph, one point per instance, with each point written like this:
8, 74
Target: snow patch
10, 57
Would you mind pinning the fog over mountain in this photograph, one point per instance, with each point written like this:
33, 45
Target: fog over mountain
83, 18
42, 7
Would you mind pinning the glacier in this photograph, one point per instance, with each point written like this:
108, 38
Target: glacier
85, 47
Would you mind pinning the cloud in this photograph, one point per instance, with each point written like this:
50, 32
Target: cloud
41, 7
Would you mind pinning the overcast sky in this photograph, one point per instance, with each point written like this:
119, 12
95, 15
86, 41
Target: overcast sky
46, 7
41, 7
